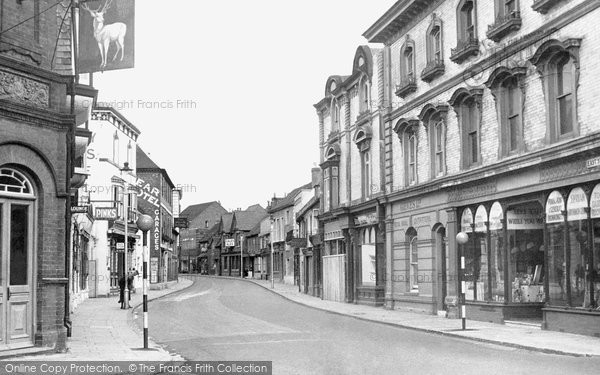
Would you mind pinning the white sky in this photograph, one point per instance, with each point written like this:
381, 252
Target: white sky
254, 69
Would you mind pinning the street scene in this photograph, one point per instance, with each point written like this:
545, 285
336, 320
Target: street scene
334, 187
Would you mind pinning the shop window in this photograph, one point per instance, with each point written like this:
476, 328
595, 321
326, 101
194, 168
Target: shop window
496, 253
509, 93
467, 105
368, 257
557, 249
525, 244
558, 65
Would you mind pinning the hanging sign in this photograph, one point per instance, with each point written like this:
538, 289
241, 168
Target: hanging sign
496, 216
576, 205
595, 202
554, 207
466, 220
480, 219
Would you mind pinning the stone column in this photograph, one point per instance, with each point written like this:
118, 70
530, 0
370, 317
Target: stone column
389, 261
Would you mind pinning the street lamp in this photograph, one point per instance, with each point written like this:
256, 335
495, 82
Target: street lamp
462, 238
272, 254
144, 223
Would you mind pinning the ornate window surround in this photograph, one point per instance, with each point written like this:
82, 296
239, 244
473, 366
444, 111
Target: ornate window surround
405, 128
496, 83
459, 101
435, 64
545, 59
430, 115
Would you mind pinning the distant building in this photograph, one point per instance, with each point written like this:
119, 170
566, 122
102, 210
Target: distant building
234, 227
201, 219
286, 261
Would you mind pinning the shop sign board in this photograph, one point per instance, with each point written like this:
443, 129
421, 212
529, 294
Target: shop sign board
229, 242
524, 218
106, 213
576, 205
555, 205
366, 219
180, 222
496, 216
466, 220
595, 202
79, 209
480, 219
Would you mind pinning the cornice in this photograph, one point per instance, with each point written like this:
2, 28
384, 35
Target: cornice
548, 155
36, 116
493, 60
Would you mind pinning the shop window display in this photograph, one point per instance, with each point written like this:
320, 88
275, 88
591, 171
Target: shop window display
525, 234
497, 252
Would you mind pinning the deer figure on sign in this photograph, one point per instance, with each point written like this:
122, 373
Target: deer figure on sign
105, 34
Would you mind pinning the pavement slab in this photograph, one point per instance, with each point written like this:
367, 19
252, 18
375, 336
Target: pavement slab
102, 330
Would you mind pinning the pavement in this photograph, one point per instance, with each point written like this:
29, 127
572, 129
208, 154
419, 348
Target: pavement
528, 338
101, 331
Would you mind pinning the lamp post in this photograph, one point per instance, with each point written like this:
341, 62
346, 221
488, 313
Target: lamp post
126, 190
272, 254
462, 238
242, 257
144, 223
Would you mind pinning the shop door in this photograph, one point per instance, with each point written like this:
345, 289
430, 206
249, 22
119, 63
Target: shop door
16, 291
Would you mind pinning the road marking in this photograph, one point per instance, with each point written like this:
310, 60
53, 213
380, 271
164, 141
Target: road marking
262, 342
184, 297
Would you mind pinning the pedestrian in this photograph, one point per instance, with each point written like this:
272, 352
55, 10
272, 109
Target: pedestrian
132, 274
122, 290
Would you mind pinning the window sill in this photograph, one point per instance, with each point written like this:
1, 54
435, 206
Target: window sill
504, 26
464, 49
406, 87
432, 70
543, 6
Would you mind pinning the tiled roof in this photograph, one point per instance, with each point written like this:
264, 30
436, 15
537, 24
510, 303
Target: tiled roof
191, 212
288, 200
247, 220
143, 160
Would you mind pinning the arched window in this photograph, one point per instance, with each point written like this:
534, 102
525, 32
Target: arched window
13, 182
407, 83
467, 43
115, 155
407, 131
467, 105
413, 255
507, 89
434, 119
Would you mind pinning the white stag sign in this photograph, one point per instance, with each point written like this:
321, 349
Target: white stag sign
106, 36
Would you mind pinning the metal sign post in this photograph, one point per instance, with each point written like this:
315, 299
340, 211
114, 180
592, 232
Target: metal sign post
145, 222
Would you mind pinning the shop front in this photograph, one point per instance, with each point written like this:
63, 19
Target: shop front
335, 275
504, 259
420, 274
573, 260
370, 259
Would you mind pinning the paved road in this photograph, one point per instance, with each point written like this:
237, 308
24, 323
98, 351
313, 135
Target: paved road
224, 319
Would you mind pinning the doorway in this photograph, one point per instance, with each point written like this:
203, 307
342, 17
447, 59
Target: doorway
16, 260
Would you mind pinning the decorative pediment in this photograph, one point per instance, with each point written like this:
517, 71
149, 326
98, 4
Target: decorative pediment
502, 73
333, 152
462, 94
430, 110
362, 137
363, 61
404, 125
552, 47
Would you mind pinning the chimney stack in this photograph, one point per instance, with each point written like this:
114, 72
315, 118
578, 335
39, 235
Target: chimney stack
316, 177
